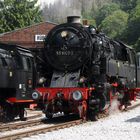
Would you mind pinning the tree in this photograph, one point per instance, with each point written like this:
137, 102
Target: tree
133, 30
126, 5
18, 13
54, 14
137, 45
118, 18
115, 24
105, 11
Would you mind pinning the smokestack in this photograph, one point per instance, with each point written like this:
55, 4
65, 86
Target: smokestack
73, 19
85, 22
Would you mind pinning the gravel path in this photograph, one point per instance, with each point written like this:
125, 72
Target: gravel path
118, 126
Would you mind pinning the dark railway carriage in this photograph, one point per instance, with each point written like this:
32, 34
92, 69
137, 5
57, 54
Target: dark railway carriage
16, 80
85, 71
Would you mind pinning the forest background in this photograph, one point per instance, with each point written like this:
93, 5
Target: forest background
119, 19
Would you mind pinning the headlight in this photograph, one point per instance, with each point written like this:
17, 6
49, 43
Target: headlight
64, 34
77, 95
35, 95
82, 79
42, 80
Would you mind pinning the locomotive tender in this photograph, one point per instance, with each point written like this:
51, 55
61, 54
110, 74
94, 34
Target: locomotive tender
16, 81
85, 71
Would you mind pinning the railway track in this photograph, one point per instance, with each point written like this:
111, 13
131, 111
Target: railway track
134, 106
28, 133
8, 127
27, 118
44, 129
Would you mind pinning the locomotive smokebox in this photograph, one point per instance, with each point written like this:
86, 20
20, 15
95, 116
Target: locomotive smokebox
73, 19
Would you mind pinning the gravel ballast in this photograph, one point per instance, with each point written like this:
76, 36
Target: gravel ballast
118, 126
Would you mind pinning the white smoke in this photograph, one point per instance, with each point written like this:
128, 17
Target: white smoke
114, 107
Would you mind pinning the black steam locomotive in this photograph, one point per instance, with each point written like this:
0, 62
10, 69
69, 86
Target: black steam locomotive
16, 81
85, 71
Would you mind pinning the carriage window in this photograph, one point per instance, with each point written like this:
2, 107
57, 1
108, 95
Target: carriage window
132, 57
0, 62
29, 63
18, 62
25, 66
138, 59
4, 63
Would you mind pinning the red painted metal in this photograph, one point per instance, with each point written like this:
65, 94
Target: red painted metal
115, 84
84, 110
14, 100
51, 93
133, 93
49, 96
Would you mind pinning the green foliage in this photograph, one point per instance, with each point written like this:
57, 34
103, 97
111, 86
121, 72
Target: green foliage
121, 19
88, 16
126, 5
118, 18
115, 24
105, 11
133, 29
18, 13
137, 45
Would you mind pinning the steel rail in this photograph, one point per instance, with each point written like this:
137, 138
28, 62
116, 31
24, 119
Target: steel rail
20, 125
26, 118
36, 131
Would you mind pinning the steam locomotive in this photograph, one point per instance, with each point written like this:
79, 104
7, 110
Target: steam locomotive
85, 71
16, 81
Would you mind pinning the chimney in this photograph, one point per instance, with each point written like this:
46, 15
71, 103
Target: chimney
85, 22
73, 19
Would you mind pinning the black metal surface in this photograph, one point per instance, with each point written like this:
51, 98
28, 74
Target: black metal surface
16, 69
60, 79
81, 56
68, 47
